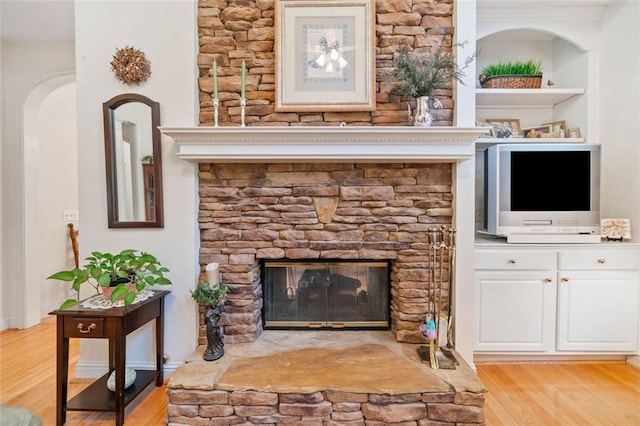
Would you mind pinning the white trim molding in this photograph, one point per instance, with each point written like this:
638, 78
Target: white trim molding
320, 143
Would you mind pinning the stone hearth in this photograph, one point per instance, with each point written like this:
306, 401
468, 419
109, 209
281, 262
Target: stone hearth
323, 378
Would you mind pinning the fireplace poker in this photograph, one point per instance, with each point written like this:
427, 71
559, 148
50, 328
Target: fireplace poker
442, 249
452, 259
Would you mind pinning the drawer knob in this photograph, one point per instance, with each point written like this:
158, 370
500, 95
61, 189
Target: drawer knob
564, 279
83, 330
548, 280
512, 261
602, 261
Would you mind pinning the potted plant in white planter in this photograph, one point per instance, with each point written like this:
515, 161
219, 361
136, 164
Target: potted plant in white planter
118, 276
418, 76
212, 298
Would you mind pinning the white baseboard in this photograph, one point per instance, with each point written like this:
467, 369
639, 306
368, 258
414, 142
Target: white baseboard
634, 360
489, 358
5, 324
93, 370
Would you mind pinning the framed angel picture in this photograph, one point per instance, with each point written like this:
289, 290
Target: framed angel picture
325, 55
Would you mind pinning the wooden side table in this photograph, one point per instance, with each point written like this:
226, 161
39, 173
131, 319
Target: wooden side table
113, 324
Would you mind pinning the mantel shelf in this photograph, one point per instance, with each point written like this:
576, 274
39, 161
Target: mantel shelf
323, 143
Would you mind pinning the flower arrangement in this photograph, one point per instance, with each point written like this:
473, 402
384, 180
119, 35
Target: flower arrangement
421, 74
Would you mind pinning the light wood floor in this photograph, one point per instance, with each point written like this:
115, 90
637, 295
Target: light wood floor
518, 394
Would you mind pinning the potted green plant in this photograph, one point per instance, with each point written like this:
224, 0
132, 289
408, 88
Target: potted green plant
118, 275
212, 297
525, 74
419, 75
147, 159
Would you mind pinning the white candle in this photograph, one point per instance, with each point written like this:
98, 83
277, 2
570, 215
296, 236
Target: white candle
213, 274
215, 79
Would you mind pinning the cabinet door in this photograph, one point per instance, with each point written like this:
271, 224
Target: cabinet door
598, 311
515, 311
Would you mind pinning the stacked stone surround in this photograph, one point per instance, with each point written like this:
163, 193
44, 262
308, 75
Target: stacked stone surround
254, 212
326, 408
233, 31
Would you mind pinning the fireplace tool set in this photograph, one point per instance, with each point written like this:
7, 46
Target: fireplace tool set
438, 323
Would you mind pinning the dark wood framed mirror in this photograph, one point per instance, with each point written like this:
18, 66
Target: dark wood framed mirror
133, 162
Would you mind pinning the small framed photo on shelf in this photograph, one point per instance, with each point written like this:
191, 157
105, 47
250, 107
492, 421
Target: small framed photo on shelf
559, 128
505, 127
489, 128
538, 131
615, 229
573, 132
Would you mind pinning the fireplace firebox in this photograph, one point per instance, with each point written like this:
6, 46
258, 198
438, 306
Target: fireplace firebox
332, 295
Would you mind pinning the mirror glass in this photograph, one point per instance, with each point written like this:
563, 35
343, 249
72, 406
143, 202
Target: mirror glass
133, 162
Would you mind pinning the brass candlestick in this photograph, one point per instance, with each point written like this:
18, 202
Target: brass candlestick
243, 104
215, 112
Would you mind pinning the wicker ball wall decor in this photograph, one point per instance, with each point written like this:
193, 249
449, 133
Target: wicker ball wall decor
131, 66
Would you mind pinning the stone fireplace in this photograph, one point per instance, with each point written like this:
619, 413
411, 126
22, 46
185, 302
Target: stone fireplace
322, 211
324, 193
318, 195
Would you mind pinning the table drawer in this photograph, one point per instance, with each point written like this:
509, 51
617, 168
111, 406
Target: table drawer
599, 259
86, 327
515, 260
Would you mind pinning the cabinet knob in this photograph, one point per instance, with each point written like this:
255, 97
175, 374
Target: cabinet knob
512, 261
548, 280
602, 261
564, 279
83, 330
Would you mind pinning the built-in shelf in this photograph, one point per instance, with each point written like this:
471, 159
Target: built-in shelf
324, 143
523, 98
486, 142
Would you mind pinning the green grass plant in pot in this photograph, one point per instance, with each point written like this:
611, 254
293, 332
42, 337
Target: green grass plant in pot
512, 74
419, 75
125, 273
212, 298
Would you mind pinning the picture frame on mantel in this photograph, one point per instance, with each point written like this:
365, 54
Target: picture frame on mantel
325, 55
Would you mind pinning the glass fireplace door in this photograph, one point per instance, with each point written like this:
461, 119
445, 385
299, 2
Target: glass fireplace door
326, 294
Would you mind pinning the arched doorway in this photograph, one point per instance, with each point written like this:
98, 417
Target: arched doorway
36, 167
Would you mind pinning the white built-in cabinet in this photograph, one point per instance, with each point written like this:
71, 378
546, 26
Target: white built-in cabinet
580, 299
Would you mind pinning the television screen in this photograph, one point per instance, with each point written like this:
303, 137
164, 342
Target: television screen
550, 180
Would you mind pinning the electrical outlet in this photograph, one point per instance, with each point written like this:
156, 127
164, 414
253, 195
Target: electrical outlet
70, 215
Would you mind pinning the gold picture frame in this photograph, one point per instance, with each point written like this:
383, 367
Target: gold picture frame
325, 55
505, 127
559, 128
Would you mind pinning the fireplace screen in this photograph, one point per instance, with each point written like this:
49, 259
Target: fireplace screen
326, 294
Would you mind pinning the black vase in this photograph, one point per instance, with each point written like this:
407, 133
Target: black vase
215, 338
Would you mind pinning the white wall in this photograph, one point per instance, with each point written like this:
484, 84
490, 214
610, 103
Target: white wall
57, 190
168, 40
25, 66
620, 113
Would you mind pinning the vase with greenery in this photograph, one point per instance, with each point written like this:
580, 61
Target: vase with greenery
126, 273
512, 69
418, 76
212, 298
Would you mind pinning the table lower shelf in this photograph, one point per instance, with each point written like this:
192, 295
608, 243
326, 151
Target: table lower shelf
97, 397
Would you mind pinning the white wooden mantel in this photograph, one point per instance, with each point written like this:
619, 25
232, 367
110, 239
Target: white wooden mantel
324, 144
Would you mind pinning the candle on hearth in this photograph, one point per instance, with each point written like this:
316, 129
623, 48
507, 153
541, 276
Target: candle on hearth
213, 275
215, 79
243, 86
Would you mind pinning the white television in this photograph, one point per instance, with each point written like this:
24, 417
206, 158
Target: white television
537, 192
